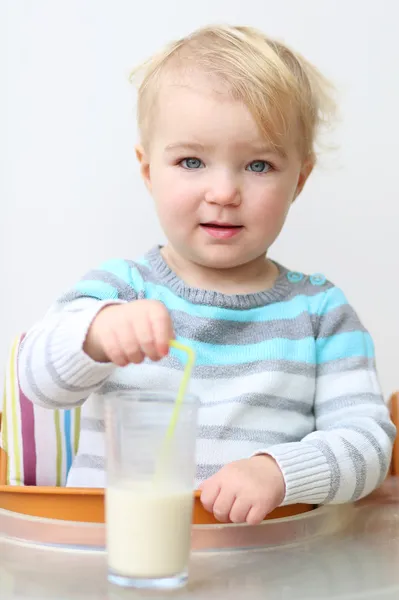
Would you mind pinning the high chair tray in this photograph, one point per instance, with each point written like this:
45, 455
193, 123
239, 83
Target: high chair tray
87, 504
26, 530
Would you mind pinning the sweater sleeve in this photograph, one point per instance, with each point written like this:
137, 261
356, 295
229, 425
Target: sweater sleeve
53, 369
348, 455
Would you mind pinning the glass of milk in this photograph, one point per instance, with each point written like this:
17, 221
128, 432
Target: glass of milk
149, 495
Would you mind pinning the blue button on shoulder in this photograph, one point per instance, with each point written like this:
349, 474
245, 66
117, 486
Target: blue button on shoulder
294, 276
317, 279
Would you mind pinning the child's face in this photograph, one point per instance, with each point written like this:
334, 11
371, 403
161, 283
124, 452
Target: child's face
208, 167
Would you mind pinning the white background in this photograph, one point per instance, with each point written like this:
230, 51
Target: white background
70, 189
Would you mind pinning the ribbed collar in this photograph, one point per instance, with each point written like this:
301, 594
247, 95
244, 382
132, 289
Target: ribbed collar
166, 277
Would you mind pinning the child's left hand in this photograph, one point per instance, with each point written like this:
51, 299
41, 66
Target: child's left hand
245, 490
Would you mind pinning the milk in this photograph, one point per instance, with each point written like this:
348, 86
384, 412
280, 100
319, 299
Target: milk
148, 529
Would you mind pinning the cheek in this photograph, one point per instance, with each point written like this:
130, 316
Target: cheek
272, 204
174, 194
174, 204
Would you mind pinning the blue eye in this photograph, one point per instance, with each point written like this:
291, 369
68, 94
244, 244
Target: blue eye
259, 166
191, 163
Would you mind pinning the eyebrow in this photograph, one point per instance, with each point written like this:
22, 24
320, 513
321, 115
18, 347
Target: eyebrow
185, 146
256, 148
268, 149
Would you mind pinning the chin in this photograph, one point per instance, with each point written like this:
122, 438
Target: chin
221, 258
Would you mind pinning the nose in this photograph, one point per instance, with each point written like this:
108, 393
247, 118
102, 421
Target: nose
223, 191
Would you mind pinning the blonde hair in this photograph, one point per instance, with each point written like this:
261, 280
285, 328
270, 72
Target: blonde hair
280, 88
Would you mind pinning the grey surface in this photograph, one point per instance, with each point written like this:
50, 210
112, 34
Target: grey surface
359, 560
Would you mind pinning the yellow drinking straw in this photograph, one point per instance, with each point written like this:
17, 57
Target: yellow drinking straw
161, 468
183, 386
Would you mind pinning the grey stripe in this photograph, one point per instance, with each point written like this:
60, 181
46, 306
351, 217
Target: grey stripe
267, 401
220, 331
242, 369
89, 461
92, 424
70, 296
125, 291
388, 427
255, 399
360, 467
339, 320
262, 366
343, 365
57, 378
33, 385
219, 432
382, 458
306, 287
342, 402
205, 471
110, 387
335, 473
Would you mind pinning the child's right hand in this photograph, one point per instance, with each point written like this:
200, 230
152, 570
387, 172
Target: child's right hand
127, 333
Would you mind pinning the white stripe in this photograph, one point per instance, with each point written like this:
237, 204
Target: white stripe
352, 414
335, 385
255, 418
348, 475
215, 452
46, 445
334, 441
85, 477
368, 453
93, 407
92, 442
147, 376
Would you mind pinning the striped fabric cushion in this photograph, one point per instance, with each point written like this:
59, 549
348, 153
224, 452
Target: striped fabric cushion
40, 444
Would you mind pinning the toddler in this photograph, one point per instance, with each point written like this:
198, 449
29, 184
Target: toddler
290, 406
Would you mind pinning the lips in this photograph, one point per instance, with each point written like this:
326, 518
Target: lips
221, 230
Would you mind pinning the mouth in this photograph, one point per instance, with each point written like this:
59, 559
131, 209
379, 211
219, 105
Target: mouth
221, 230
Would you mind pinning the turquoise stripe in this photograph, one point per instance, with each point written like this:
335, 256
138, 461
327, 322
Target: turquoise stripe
289, 309
124, 271
95, 288
278, 349
306, 350
68, 441
344, 345
319, 304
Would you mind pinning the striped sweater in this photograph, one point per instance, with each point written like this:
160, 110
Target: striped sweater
289, 371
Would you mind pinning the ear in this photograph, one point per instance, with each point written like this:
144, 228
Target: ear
306, 170
144, 165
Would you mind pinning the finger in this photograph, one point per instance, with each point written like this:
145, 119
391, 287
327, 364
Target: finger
162, 329
256, 514
223, 505
145, 337
128, 344
113, 349
240, 510
209, 492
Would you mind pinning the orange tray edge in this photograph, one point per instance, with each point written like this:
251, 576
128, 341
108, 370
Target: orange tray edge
87, 504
